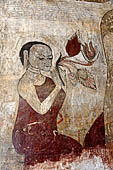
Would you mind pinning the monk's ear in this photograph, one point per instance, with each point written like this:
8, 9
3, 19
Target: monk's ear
25, 58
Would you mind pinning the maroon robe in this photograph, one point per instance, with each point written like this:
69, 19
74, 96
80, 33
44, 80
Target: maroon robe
40, 141
36, 135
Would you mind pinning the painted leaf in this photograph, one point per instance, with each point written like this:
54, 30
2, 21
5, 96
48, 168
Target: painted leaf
73, 77
86, 79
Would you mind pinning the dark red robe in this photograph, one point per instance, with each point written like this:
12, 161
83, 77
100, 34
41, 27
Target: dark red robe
36, 135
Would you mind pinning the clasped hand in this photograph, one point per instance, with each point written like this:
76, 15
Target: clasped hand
54, 75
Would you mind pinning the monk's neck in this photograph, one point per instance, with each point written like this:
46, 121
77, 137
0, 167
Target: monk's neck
34, 76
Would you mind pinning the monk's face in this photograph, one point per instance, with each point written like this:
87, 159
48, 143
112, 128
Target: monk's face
40, 57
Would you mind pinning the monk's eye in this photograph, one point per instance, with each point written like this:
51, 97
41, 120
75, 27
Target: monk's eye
50, 57
41, 58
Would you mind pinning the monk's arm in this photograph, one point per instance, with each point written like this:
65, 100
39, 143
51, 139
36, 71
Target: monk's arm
30, 95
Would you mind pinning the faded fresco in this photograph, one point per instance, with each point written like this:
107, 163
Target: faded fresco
56, 79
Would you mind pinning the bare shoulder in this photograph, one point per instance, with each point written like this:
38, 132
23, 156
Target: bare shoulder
25, 88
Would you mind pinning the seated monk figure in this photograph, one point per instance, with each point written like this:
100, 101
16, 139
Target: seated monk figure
40, 98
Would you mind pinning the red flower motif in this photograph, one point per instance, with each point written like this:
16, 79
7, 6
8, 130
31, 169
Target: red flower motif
73, 46
89, 51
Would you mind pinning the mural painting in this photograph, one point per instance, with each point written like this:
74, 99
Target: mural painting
42, 91
56, 81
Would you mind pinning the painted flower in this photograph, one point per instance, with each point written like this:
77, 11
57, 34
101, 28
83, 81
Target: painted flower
73, 46
89, 51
